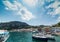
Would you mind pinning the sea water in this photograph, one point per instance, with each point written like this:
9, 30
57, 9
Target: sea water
26, 37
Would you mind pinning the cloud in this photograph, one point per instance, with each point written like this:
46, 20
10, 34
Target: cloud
57, 11
58, 19
54, 5
56, 8
31, 3
10, 6
25, 14
20, 9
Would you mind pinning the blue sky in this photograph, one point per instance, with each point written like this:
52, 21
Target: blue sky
33, 12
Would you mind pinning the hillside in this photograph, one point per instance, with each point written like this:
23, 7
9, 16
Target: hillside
56, 25
13, 25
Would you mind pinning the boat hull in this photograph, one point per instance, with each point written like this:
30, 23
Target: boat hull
43, 39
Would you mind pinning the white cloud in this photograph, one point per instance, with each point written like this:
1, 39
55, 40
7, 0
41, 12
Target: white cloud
58, 19
9, 5
26, 15
56, 10
55, 7
16, 6
19, 5
30, 2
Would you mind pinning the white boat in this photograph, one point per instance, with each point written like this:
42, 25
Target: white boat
42, 36
4, 35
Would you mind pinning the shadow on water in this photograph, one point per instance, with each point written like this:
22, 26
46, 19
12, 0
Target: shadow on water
37, 40
51, 41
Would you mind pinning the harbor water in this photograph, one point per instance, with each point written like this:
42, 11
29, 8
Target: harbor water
26, 37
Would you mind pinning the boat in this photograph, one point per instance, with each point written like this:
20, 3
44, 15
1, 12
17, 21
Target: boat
39, 36
43, 37
4, 35
50, 37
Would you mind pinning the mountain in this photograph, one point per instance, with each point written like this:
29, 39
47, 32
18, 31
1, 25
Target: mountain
56, 25
13, 25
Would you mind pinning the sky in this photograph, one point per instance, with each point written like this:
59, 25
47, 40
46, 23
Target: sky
33, 12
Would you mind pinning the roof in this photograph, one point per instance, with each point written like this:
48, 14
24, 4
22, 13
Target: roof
3, 31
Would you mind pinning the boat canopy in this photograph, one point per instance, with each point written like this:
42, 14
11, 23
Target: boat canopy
3, 32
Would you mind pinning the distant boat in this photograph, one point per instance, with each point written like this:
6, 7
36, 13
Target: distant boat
4, 35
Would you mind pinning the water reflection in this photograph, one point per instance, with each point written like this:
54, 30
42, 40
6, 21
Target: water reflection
37, 40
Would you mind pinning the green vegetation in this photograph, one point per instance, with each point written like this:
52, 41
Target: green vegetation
20, 25
56, 25
13, 25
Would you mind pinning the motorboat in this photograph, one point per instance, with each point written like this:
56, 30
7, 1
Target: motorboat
42, 36
4, 35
